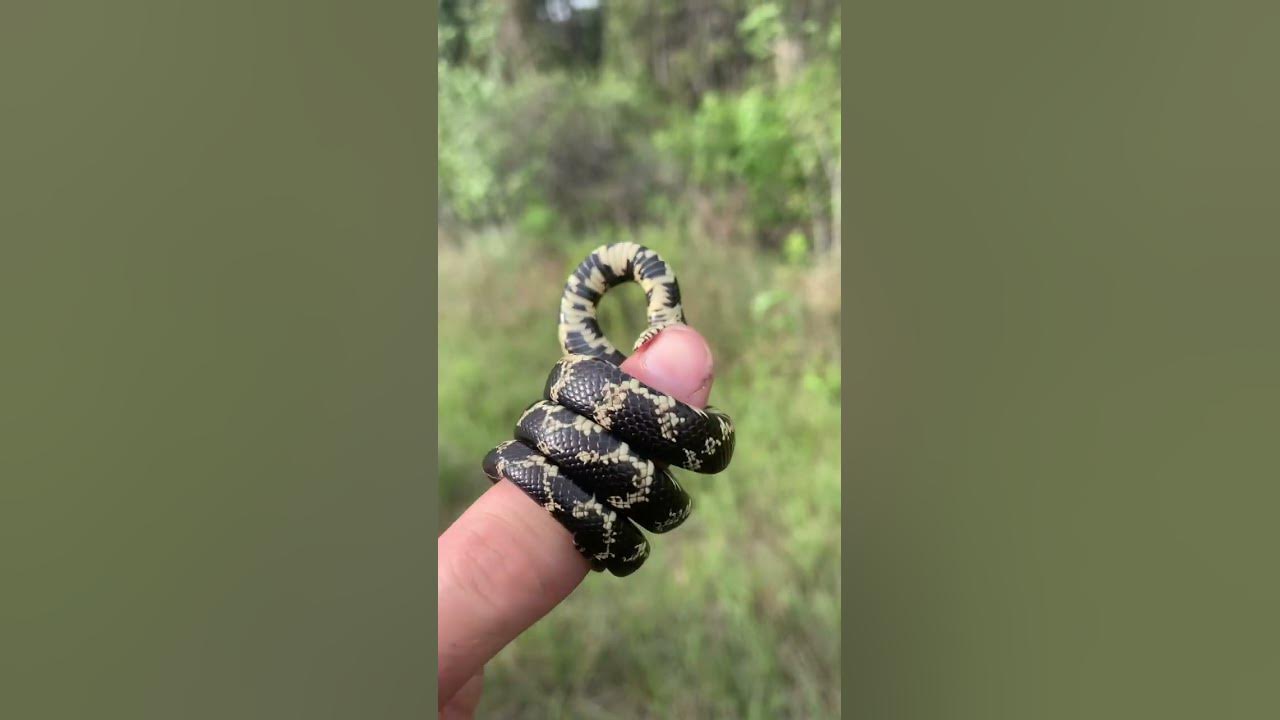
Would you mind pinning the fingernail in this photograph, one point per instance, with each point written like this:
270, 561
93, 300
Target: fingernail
678, 362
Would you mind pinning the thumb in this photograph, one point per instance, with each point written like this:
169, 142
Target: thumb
677, 361
505, 563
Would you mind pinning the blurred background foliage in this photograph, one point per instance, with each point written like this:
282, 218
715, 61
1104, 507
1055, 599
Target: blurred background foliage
708, 130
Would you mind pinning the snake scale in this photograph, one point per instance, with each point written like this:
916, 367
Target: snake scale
595, 451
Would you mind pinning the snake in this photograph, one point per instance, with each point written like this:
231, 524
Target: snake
596, 451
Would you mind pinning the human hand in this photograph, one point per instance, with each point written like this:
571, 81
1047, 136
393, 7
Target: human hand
505, 563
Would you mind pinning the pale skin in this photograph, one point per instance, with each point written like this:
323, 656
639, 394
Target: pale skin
505, 563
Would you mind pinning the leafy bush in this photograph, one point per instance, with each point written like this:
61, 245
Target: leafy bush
580, 149
553, 150
469, 189
743, 141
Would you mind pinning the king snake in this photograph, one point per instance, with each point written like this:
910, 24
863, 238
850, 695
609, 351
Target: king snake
594, 451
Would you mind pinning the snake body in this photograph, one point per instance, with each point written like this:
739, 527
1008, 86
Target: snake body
595, 451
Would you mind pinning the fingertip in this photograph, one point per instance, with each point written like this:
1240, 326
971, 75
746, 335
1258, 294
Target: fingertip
678, 361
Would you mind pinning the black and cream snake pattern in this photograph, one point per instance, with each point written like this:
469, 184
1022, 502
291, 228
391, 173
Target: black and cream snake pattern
594, 451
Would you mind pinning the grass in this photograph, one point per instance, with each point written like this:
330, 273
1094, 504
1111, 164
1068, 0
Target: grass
737, 613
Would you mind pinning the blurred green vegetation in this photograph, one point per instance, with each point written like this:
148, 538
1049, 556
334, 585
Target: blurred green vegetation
709, 131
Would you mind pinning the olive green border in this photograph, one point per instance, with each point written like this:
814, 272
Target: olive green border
431, 506
217, 355
1060, 365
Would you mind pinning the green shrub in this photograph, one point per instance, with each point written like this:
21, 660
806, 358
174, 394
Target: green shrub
469, 190
561, 152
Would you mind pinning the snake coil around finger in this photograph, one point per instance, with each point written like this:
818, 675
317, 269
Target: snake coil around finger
595, 451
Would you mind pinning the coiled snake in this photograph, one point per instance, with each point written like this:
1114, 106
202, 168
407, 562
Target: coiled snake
594, 451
